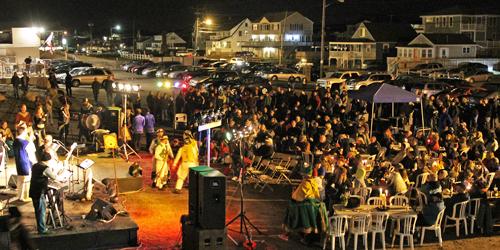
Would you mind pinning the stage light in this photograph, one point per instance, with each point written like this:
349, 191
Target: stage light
113, 85
120, 86
128, 87
168, 84
177, 84
136, 87
159, 84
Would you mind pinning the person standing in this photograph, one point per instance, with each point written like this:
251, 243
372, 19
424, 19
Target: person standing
15, 81
38, 190
53, 81
138, 128
64, 119
108, 86
25, 82
27, 62
96, 86
68, 81
149, 127
159, 134
23, 163
189, 154
163, 152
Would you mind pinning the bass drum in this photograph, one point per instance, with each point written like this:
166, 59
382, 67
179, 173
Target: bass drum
91, 121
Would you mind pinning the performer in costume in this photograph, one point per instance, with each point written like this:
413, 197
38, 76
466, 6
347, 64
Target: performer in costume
23, 163
189, 154
162, 153
159, 134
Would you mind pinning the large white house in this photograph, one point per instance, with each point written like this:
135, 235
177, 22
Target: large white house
18, 43
438, 45
269, 37
154, 43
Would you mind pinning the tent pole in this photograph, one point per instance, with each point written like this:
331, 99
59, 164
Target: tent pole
422, 114
392, 109
371, 120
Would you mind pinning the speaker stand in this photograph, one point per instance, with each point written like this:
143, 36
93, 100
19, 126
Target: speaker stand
244, 221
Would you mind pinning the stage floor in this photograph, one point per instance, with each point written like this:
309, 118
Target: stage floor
81, 233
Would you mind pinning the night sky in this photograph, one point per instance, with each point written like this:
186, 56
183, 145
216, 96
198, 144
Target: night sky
152, 16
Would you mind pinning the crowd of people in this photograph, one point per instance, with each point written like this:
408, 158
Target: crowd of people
458, 148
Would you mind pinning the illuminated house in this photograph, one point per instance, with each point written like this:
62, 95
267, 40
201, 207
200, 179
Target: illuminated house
269, 37
18, 43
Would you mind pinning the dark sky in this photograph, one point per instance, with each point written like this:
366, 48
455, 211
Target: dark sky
178, 15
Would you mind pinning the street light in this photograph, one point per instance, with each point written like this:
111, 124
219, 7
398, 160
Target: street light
116, 27
105, 38
207, 22
64, 41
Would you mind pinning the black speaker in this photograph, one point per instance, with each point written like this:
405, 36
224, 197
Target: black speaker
212, 200
101, 210
193, 202
111, 119
195, 238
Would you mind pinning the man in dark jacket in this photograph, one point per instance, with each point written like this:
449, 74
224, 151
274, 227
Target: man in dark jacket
459, 196
15, 81
108, 86
96, 87
38, 188
68, 82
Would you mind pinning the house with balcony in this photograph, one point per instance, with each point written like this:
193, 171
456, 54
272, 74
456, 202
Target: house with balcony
482, 26
271, 36
172, 41
449, 49
371, 42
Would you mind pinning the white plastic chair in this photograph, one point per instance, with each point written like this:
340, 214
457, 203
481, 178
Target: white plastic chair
473, 211
489, 178
421, 179
458, 215
405, 227
358, 225
399, 200
378, 226
436, 227
338, 228
377, 201
361, 199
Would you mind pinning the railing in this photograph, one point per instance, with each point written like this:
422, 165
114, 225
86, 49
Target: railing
274, 43
472, 26
352, 54
132, 56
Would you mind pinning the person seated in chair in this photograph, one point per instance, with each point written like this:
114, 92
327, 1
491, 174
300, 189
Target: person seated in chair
434, 205
460, 196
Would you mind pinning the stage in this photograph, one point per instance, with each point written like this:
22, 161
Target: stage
80, 233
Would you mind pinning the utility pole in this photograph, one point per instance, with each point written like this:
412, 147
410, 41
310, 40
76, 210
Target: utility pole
283, 34
196, 30
322, 52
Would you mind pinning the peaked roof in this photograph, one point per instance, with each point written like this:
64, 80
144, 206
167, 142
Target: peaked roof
448, 38
465, 10
383, 93
390, 32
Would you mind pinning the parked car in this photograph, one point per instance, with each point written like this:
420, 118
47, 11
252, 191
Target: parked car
138, 64
374, 78
86, 77
237, 60
151, 70
426, 68
222, 78
430, 88
480, 76
61, 77
164, 72
284, 75
338, 78
69, 65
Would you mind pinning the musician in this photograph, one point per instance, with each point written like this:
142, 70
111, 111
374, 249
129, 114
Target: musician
23, 163
50, 148
189, 154
162, 153
85, 110
64, 120
38, 190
